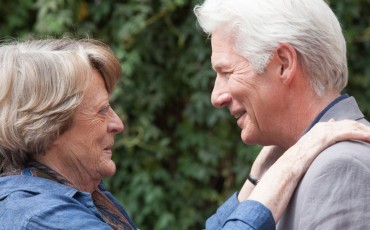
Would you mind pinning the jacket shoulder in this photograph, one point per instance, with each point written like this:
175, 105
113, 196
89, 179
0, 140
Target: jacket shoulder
24, 207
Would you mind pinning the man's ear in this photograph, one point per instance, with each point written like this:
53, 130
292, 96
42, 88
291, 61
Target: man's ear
286, 56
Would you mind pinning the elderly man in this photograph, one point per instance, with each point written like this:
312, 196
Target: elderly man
281, 66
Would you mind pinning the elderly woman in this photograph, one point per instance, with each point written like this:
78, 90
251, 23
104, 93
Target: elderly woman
56, 138
57, 131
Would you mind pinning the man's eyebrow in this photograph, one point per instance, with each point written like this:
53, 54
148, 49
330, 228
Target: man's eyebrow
219, 65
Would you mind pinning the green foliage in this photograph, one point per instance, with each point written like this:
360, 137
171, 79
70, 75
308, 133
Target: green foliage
354, 17
178, 158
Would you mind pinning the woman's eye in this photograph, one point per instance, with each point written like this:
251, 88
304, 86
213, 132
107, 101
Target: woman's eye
227, 75
104, 110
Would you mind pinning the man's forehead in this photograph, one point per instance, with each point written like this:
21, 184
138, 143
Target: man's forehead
222, 53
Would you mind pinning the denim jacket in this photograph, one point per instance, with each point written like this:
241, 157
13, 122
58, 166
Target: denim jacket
246, 215
28, 202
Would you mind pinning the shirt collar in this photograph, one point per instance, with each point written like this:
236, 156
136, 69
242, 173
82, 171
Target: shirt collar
318, 117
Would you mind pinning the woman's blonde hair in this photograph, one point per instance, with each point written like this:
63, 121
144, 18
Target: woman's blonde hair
42, 82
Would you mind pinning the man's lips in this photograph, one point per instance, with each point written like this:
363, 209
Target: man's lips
240, 118
238, 115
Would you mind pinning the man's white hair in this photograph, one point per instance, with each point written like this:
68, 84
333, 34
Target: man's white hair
258, 28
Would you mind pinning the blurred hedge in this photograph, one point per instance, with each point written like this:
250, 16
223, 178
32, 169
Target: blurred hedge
178, 157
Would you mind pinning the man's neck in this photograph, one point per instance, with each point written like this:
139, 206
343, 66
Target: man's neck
302, 114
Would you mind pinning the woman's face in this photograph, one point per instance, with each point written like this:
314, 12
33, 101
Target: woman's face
86, 147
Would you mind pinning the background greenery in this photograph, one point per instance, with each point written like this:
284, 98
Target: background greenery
178, 158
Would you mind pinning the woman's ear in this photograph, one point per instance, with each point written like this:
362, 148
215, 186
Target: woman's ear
286, 57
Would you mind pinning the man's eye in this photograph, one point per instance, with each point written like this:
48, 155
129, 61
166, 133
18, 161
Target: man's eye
227, 75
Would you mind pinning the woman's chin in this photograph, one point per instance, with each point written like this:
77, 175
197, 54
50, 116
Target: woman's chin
109, 168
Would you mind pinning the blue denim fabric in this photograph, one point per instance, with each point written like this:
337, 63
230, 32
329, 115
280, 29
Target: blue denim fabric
28, 202
247, 215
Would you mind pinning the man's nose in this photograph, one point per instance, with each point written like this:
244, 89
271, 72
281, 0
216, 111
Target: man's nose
220, 93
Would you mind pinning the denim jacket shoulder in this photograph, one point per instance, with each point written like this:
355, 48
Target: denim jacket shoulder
28, 202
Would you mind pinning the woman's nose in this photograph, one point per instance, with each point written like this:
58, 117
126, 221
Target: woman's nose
115, 124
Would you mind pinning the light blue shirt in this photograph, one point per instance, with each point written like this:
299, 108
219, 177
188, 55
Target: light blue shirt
28, 202
246, 215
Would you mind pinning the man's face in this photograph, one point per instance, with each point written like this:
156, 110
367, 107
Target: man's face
253, 99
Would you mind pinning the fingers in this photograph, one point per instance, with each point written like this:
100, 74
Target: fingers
335, 131
323, 135
349, 130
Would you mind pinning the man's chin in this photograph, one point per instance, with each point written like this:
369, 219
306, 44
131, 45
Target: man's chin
249, 138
